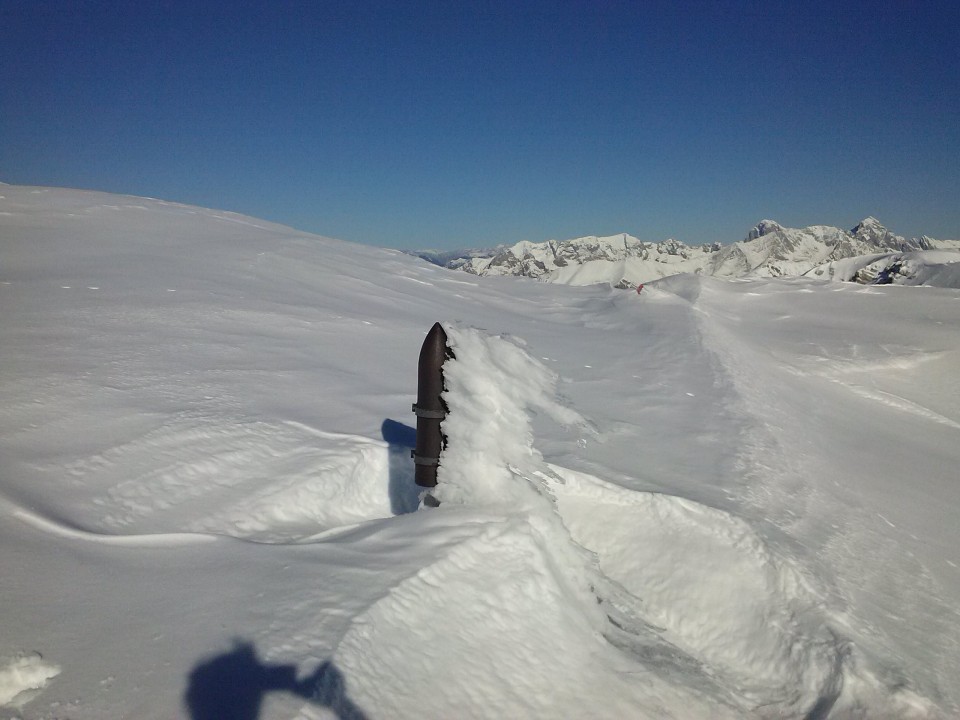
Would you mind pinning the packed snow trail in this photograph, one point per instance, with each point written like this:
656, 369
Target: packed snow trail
205, 433
849, 456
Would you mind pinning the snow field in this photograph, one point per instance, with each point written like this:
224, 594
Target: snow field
744, 506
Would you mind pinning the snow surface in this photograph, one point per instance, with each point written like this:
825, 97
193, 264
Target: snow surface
717, 499
21, 677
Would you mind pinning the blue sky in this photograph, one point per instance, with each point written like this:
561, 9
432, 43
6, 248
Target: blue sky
465, 124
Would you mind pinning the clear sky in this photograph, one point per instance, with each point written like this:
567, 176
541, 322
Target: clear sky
464, 124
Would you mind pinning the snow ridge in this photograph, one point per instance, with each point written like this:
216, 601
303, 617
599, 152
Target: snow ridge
688, 594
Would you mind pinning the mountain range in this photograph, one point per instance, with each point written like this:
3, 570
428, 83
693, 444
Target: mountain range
768, 250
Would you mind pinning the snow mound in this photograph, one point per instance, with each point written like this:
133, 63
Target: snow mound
500, 631
492, 386
715, 588
23, 677
685, 286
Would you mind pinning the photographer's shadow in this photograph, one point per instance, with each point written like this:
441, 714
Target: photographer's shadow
232, 686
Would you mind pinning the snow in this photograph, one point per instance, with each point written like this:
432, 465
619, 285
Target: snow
933, 268
22, 676
723, 499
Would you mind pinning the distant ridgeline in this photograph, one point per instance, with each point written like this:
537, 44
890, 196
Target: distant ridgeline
769, 250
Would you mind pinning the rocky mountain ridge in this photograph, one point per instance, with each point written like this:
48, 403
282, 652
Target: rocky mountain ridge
769, 250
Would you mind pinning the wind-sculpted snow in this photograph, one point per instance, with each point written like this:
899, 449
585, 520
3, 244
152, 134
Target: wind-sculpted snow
536, 579
262, 482
500, 631
718, 592
492, 386
746, 626
714, 499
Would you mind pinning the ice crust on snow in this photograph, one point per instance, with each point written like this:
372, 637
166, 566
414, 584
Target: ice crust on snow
22, 677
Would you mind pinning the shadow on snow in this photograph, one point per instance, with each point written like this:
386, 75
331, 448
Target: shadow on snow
404, 493
232, 686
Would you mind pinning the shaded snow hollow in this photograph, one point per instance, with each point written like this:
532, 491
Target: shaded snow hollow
717, 499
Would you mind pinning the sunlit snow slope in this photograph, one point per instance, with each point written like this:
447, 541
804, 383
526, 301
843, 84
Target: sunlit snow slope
713, 500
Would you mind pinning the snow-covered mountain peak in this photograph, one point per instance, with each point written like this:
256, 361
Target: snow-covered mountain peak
869, 222
874, 234
763, 228
602, 243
